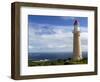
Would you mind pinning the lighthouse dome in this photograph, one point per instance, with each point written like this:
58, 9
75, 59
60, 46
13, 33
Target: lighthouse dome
76, 26
76, 22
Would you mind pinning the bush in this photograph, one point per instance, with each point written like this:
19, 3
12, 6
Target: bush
57, 62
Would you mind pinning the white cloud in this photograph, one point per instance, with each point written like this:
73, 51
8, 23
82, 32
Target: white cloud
61, 40
67, 18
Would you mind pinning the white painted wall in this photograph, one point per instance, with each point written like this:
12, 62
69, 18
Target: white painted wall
5, 40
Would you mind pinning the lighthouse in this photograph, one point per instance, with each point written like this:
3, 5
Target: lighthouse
77, 53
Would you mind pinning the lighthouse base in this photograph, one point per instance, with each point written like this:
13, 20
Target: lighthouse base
76, 58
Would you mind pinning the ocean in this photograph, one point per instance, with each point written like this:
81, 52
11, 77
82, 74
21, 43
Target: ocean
52, 56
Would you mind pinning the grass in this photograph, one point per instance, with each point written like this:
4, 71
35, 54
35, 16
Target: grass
57, 62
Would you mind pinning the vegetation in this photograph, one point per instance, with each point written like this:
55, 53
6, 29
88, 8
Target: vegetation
56, 62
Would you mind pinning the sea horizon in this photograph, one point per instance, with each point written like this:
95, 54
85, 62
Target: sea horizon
52, 55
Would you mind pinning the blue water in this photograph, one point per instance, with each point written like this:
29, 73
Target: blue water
52, 56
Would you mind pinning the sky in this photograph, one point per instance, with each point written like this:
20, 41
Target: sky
54, 33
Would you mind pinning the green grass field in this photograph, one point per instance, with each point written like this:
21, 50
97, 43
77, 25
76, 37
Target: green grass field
57, 62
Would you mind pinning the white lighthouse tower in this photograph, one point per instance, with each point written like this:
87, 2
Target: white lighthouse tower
77, 53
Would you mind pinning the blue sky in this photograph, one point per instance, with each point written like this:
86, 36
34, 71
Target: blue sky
57, 20
54, 33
